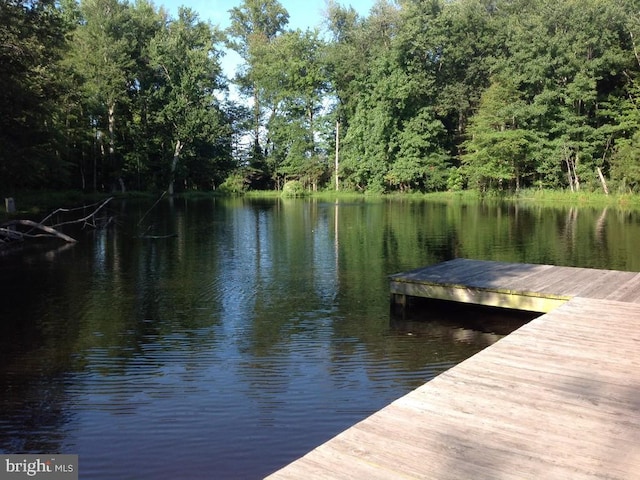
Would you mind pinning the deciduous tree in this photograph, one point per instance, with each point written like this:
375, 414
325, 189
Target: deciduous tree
189, 74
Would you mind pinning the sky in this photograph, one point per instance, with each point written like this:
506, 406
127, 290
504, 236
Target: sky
303, 14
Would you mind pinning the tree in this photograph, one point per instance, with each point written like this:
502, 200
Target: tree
254, 25
140, 139
625, 168
344, 62
421, 160
625, 162
567, 65
373, 102
461, 41
102, 57
497, 150
421, 163
188, 112
291, 73
32, 43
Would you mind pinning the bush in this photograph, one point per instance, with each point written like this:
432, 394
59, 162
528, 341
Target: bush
455, 182
293, 188
234, 184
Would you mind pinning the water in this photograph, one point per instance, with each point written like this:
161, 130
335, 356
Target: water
256, 333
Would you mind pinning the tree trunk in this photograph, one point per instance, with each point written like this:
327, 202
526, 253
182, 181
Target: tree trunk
337, 154
174, 164
574, 182
603, 181
569, 173
256, 128
575, 173
112, 130
311, 130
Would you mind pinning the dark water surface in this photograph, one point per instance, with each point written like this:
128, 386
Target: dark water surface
259, 331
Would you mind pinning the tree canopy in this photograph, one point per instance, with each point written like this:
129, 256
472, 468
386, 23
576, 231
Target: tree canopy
418, 95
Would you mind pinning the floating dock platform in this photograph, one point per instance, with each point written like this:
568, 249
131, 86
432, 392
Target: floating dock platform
519, 286
558, 398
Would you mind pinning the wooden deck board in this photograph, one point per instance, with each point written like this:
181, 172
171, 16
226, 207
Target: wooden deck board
557, 398
552, 279
519, 286
628, 291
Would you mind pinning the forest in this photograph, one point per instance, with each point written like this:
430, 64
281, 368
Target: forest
418, 96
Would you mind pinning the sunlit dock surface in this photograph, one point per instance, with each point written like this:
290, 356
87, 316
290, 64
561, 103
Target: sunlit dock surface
557, 398
521, 286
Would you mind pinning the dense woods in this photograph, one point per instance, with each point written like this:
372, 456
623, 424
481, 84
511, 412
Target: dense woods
419, 95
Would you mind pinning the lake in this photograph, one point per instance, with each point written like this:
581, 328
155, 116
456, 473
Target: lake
257, 330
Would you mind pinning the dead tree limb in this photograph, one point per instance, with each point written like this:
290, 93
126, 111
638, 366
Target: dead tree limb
85, 219
20, 230
52, 232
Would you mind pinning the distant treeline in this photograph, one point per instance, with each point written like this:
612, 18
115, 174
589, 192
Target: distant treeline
420, 95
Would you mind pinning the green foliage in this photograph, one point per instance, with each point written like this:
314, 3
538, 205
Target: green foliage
498, 149
32, 44
147, 87
428, 95
292, 82
185, 60
421, 162
293, 188
455, 180
625, 165
234, 184
255, 24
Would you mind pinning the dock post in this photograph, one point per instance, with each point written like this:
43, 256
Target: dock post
10, 205
399, 304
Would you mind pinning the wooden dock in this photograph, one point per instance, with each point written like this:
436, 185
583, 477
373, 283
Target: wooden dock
558, 398
520, 286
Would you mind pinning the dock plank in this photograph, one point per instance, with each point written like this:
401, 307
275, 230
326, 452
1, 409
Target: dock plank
519, 286
558, 398
629, 291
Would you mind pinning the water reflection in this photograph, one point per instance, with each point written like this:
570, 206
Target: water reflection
259, 331
472, 325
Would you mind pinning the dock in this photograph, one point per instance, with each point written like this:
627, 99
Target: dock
558, 398
519, 286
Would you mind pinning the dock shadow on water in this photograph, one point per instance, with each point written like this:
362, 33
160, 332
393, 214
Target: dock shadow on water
474, 325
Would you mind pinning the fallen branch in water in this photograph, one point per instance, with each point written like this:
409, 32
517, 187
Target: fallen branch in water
153, 237
89, 220
49, 232
21, 230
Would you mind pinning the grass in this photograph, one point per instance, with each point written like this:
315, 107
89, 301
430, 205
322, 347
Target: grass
36, 204
595, 199
533, 196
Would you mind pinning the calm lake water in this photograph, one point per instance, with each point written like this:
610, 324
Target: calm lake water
258, 331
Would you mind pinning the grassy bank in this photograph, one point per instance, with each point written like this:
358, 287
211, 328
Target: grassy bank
596, 199
37, 204
538, 197
534, 196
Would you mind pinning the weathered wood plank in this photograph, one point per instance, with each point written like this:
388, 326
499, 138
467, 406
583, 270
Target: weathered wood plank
558, 398
628, 291
480, 296
539, 288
